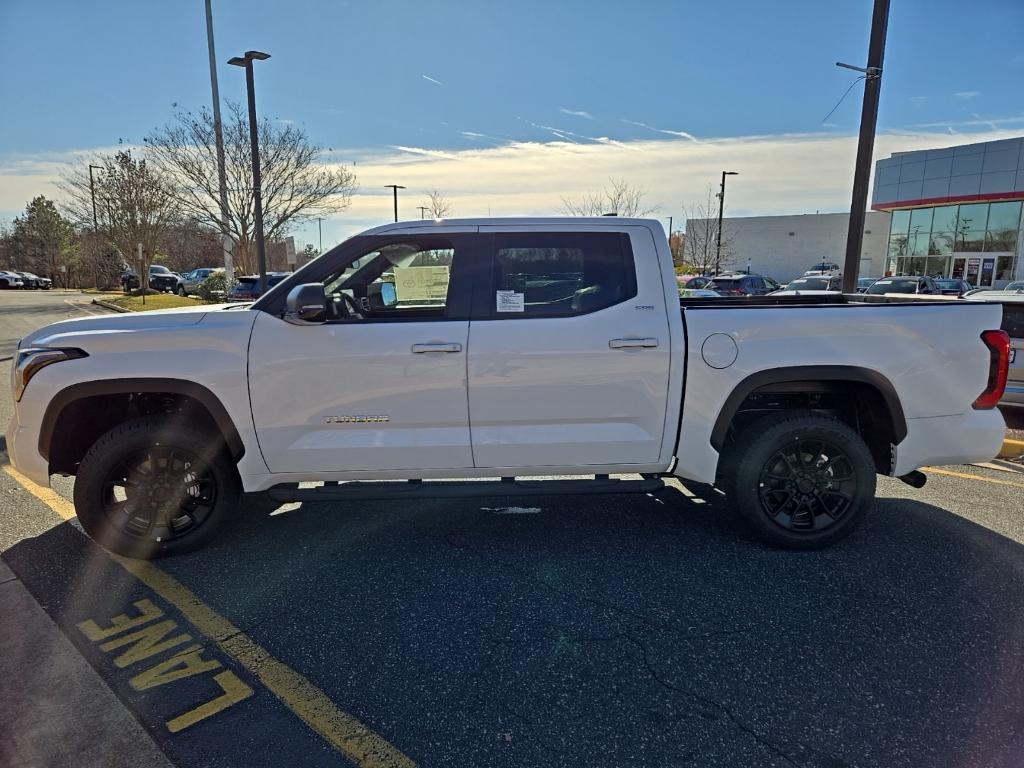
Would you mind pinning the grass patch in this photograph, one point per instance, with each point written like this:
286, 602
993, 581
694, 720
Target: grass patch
153, 301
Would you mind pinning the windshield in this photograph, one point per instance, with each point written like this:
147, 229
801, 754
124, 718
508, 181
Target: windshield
894, 285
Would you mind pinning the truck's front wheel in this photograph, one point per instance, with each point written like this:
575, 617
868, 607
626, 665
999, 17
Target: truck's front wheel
802, 480
150, 488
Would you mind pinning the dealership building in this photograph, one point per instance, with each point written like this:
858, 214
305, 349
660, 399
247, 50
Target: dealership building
955, 212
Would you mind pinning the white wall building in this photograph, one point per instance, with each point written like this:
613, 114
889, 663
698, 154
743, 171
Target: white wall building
784, 247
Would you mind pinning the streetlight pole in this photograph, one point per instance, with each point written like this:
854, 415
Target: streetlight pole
423, 210
320, 232
721, 207
218, 137
257, 193
395, 187
865, 143
92, 193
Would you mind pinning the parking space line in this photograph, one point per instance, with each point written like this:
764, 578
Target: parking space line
967, 476
343, 731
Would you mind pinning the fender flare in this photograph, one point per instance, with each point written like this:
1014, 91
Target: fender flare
86, 389
794, 378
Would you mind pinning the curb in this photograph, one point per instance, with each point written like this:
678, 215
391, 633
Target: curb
1012, 449
108, 305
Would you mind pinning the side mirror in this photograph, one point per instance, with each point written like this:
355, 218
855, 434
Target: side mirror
307, 304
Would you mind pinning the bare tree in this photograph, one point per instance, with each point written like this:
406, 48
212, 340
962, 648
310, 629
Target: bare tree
437, 205
296, 187
619, 197
135, 204
701, 239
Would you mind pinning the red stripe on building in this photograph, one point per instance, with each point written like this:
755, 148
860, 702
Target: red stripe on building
988, 197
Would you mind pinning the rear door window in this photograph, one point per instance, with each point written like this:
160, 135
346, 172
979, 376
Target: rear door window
560, 273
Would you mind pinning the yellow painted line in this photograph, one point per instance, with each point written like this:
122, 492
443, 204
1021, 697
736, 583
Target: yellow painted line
966, 476
344, 732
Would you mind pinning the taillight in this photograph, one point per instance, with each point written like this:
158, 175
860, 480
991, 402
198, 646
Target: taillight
998, 343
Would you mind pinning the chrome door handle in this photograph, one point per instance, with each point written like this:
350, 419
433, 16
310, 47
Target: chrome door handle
632, 343
419, 349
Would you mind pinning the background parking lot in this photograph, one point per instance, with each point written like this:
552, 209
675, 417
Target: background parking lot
631, 630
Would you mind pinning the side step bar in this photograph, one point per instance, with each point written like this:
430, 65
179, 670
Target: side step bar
456, 489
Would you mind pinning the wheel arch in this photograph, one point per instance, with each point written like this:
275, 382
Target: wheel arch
70, 400
882, 422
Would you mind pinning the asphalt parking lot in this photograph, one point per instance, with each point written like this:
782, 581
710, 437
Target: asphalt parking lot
597, 631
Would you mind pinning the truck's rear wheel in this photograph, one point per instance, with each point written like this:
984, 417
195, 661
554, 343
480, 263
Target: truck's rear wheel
151, 488
802, 480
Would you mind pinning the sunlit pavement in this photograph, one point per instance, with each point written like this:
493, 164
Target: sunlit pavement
572, 631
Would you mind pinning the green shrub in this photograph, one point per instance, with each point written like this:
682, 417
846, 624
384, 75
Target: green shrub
213, 289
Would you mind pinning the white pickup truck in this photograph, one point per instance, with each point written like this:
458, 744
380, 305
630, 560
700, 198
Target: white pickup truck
441, 353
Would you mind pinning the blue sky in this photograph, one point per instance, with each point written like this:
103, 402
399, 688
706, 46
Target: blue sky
393, 81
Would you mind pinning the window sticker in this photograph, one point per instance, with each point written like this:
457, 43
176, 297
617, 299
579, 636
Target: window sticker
510, 301
422, 283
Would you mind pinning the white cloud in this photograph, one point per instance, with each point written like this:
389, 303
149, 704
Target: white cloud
966, 94
680, 134
432, 80
794, 173
576, 113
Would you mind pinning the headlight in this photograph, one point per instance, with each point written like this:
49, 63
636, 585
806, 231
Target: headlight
34, 359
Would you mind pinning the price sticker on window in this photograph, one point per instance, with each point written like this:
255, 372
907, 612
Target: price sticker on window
510, 301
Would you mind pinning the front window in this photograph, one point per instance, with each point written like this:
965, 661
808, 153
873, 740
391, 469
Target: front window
893, 285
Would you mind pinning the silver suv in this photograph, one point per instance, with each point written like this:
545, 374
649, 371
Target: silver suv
190, 281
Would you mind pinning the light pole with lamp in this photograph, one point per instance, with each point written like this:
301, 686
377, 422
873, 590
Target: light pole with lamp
721, 206
395, 187
257, 193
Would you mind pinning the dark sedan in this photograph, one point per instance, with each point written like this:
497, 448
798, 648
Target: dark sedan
743, 285
921, 285
248, 288
954, 287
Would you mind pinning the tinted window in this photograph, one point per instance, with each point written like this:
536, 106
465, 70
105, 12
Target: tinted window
894, 285
538, 274
1013, 320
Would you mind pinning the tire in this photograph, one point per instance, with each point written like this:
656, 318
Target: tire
181, 290
179, 486
799, 479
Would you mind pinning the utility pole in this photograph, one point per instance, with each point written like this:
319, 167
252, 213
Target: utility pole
320, 232
423, 210
395, 187
92, 193
254, 143
865, 143
721, 207
218, 136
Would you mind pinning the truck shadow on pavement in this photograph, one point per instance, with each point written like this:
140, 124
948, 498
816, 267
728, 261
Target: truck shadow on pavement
617, 630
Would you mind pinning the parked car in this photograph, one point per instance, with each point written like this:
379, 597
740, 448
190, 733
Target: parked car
953, 286
341, 374
923, 285
863, 283
1015, 286
190, 281
160, 279
1013, 323
743, 285
247, 288
813, 283
698, 293
11, 280
35, 281
824, 268
695, 281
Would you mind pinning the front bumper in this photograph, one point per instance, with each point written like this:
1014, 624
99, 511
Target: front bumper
23, 450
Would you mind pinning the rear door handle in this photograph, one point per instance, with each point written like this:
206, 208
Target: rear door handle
632, 343
419, 349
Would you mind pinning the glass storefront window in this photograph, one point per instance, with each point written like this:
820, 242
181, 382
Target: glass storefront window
945, 219
899, 223
972, 217
1004, 216
921, 220
1004, 268
1003, 240
897, 246
937, 266
970, 241
941, 244
919, 243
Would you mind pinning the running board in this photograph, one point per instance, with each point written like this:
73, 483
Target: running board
447, 489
